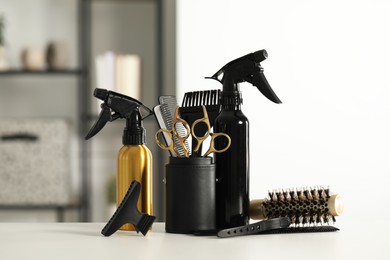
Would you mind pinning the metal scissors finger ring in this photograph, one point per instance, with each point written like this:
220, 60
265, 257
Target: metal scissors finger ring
204, 120
212, 142
169, 146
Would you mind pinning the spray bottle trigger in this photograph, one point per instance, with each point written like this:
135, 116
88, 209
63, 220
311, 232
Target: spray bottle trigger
145, 112
259, 80
104, 117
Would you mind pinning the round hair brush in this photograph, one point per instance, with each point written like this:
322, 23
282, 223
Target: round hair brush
307, 206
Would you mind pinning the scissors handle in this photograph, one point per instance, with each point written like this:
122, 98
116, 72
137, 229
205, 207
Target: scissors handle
212, 141
169, 146
200, 139
176, 120
181, 139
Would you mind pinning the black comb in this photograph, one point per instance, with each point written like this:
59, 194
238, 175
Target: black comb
127, 212
260, 227
191, 109
312, 229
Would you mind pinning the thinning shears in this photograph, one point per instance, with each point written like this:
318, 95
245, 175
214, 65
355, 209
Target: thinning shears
200, 139
173, 133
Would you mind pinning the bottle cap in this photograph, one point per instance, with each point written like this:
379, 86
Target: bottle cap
134, 133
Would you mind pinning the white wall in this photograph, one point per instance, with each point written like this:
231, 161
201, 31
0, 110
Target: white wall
328, 62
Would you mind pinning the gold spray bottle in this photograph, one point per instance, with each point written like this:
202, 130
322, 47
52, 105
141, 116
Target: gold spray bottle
135, 163
134, 158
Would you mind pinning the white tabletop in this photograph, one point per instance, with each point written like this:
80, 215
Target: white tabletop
83, 241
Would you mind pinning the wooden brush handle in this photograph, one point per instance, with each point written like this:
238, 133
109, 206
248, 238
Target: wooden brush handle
257, 209
335, 205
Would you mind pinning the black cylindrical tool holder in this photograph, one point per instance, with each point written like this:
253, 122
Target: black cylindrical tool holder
190, 195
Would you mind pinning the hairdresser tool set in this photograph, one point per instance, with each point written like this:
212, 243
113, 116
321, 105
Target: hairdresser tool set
173, 134
207, 176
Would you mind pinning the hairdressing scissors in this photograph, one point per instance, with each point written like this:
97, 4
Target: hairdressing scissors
201, 139
174, 134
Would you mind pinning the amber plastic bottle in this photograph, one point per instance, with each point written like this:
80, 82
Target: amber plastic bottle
135, 163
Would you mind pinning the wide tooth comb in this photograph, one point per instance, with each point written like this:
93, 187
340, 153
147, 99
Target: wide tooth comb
192, 110
127, 212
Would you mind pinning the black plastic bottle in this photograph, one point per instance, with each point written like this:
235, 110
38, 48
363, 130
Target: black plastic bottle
232, 166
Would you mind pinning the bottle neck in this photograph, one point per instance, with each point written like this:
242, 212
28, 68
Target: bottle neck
231, 107
134, 133
231, 100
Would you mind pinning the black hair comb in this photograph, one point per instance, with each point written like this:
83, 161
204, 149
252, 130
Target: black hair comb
127, 212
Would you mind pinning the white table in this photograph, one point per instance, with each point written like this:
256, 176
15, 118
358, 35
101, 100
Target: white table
83, 241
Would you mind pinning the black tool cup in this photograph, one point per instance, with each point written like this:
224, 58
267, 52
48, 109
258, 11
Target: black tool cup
190, 195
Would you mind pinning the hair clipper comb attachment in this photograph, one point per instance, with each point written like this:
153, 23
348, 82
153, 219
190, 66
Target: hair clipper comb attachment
304, 207
127, 212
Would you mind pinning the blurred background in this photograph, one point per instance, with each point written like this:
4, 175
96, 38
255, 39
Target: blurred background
55, 54
328, 63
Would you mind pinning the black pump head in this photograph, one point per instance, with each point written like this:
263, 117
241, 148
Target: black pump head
116, 105
246, 68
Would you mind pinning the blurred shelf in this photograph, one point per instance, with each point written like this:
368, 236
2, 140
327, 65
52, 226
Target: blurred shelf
18, 72
38, 206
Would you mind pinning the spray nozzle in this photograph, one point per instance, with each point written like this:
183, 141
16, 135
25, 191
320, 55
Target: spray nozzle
246, 68
101, 94
114, 106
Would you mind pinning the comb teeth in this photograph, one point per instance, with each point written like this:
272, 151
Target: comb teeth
145, 223
304, 207
115, 222
166, 113
199, 98
127, 212
170, 101
168, 107
302, 230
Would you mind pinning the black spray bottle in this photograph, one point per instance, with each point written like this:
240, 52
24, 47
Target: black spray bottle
134, 158
233, 165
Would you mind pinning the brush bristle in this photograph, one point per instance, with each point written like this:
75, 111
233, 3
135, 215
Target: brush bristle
307, 206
